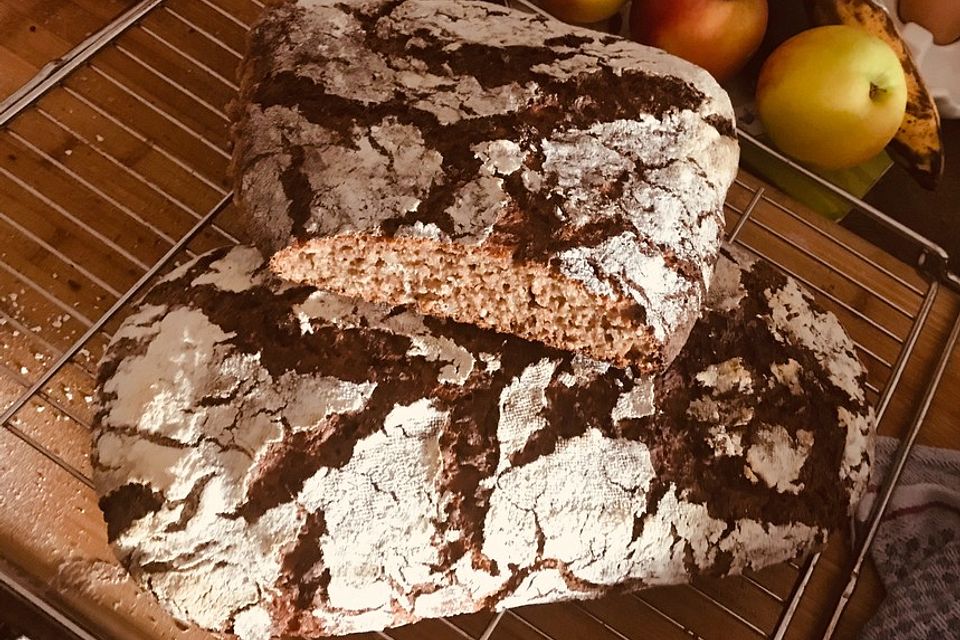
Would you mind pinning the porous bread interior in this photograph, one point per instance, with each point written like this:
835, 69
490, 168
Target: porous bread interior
476, 286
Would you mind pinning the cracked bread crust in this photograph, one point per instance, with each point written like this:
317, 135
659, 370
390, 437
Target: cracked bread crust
278, 461
391, 132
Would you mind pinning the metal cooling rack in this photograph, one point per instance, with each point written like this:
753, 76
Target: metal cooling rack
130, 59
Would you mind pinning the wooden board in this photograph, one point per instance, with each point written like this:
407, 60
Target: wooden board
107, 171
34, 32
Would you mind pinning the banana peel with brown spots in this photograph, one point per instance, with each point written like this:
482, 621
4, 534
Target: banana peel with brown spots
918, 145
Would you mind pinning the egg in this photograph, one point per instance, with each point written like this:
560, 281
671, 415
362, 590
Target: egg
940, 17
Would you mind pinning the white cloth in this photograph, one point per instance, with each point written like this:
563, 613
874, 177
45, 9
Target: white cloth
917, 547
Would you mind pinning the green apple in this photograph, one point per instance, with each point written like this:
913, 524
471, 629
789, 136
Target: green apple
832, 96
583, 11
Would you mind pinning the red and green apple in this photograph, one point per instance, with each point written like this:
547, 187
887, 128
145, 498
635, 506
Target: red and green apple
583, 11
718, 35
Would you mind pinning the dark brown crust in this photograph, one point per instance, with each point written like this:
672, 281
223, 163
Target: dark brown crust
126, 505
533, 232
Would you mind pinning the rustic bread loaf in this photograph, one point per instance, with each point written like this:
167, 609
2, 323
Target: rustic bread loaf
276, 460
486, 165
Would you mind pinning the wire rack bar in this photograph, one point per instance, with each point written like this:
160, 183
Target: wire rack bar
909, 345
10, 582
606, 625
864, 349
796, 595
199, 137
492, 626
129, 172
55, 71
218, 113
745, 215
528, 6
46, 397
819, 260
853, 311
208, 35
760, 587
49, 455
49, 248
540, 632
226, 14
8, 320
668, 618
12, 585
728, 611
932, 248
199, 63
849, 249
890, 482
52, 299
98, 192
66, 356
36, 389
114, 120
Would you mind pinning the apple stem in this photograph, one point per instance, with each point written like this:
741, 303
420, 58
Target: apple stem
875, 91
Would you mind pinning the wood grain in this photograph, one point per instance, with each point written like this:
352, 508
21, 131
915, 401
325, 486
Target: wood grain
34, 32
104, 173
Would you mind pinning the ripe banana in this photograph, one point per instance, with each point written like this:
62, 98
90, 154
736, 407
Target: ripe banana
918, 145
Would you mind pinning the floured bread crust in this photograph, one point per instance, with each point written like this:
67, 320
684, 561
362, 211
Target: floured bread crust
382, 144
275, 460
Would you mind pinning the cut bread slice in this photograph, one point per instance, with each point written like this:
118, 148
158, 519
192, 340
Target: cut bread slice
487, 166
482, 287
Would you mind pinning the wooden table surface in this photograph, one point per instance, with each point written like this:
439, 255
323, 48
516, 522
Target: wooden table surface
103, 174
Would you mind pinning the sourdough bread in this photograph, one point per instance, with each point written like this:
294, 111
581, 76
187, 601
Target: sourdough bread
486, 165
278, 461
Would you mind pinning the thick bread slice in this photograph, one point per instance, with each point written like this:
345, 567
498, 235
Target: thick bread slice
489, 166
277, 461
